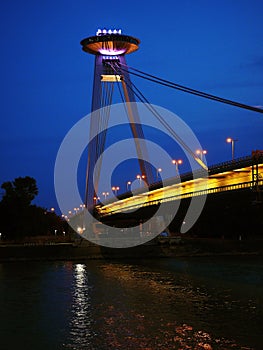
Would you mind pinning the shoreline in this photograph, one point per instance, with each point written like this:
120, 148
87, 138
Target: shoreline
190, 247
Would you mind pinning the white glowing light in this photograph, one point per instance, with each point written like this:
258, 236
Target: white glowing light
109, 31
110, 57
111, 52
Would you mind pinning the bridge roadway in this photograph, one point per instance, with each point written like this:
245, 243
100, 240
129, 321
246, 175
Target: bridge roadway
234, 175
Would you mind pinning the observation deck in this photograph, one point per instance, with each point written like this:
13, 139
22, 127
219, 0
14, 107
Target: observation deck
110, 43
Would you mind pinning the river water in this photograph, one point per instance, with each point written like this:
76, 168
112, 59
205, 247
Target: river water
184, 303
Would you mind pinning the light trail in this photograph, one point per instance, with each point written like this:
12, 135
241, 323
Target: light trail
225, 181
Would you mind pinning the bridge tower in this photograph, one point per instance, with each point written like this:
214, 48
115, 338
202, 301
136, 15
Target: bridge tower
109, 48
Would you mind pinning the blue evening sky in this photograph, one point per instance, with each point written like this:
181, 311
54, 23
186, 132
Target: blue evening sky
46, 79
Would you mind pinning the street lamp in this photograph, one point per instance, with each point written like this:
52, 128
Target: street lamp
76, 210
200, 153
176, 163
158, 172
128, 185
96, 199
105, 194
232, 141
115, 189
140, 178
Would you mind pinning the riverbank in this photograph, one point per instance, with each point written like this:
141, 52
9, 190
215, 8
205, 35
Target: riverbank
85, 250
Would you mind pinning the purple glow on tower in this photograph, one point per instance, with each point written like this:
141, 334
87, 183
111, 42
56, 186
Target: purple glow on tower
111, 52
110, 42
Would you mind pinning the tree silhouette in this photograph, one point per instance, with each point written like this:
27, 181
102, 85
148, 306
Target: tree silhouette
19, 218
20, 192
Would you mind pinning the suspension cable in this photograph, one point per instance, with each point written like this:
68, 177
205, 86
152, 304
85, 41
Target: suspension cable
144, 100
173, 85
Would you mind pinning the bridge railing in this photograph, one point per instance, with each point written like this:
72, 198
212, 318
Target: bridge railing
231, 164
224, 166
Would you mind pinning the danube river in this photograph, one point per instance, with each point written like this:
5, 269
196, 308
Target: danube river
184, 303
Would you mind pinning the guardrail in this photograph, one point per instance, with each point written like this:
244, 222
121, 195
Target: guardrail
213, 169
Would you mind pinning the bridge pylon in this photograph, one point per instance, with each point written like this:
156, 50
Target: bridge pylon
109, 48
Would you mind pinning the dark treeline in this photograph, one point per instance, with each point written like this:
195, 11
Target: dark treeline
19, 218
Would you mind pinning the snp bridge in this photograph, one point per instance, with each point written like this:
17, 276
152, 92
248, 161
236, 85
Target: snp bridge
240, 174
109, 48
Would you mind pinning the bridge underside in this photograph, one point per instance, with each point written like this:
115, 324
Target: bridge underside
233, 203
226, 214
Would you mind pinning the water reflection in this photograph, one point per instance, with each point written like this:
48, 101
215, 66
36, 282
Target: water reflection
81, 333
147, 309
158, 304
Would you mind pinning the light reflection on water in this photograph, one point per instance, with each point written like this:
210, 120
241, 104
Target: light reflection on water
161, 310
155, 304
81, 332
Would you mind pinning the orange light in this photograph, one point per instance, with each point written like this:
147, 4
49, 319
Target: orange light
179, 161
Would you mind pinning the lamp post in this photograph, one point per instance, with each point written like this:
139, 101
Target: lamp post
200, 153
115, 189
140, 178
105, 194
82, 206
96, 199
232, 141
176, 163
158, 172
76, 210
128, 185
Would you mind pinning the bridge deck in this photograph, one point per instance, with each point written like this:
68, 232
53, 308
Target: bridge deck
232, 179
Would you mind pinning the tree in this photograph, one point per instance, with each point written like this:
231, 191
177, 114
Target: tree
19, 218
20, 192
